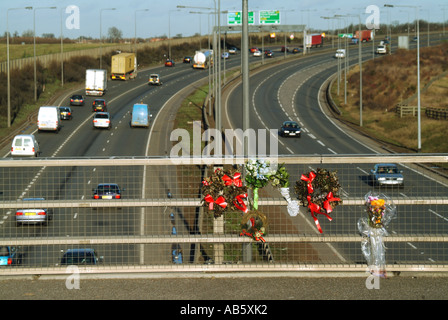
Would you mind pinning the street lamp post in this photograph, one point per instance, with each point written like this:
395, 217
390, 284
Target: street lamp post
7, 63
34, 48
419, 142
359, 62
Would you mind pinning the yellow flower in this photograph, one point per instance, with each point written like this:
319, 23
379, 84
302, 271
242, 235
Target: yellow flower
378, 202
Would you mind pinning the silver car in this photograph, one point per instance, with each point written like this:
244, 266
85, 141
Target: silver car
386, 174
102, 120
33, 216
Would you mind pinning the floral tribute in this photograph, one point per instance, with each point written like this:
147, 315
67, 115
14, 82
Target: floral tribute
224, 190
280, 179
318, 190
254, 224
380, 211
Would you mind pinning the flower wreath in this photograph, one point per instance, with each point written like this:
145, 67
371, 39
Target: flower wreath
318, 190
254, 224
224, 190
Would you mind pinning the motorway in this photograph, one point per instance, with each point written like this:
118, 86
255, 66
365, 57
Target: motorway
77, 138
290, 90
295, 91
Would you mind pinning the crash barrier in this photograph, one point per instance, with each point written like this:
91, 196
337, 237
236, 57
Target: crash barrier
436, 113
162, 220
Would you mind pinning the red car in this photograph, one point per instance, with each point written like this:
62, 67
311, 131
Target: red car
169, 63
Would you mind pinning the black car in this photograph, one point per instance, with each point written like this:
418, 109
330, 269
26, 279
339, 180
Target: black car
66, 113
80, 257
77, 100
268, 53
107, 191
290, 129
99, 105
187, 60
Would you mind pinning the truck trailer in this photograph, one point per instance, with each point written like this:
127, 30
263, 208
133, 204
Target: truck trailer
203, 59
314, 40
96, 82
366, 36
123, 66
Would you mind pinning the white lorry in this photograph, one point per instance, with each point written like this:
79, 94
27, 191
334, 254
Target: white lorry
49, 119
96, 82
203, 59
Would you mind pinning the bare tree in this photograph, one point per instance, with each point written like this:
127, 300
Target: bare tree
114, 34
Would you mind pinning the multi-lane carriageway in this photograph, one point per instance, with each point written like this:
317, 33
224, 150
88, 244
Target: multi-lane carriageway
289, 90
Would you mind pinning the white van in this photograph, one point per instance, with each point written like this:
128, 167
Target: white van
24, 145
49, 119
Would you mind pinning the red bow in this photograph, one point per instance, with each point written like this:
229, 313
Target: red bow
330, 198
220, 201
239, 203
310, 180
315, 208
236, 180
245, 233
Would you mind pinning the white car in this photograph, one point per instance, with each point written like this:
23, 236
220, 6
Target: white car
381, 49
340, 53
102, 120
257, 53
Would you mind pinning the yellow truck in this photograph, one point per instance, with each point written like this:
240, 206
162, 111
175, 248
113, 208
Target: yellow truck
123, 66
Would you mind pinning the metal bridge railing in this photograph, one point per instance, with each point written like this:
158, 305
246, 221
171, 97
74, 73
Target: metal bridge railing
161, 225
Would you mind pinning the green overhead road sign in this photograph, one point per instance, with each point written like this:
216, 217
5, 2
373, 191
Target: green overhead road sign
270, 17
236, 18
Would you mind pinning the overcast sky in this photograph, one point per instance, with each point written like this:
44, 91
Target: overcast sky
82, 17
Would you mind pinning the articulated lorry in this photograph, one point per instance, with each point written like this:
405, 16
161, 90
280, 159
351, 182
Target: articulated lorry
364, 36
123, 66
203, 59
96, 82
314, 40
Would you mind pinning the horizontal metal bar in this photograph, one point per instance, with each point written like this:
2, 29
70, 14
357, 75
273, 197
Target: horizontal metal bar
187, 202
204, 269
210, 238
168, 161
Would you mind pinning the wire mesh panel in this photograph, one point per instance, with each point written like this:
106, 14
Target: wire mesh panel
138, 213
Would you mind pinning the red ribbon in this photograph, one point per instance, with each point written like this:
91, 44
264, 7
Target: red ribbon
236, 180
310, 180
220, 201
315, 208
245, 233
239, 203
330, 198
